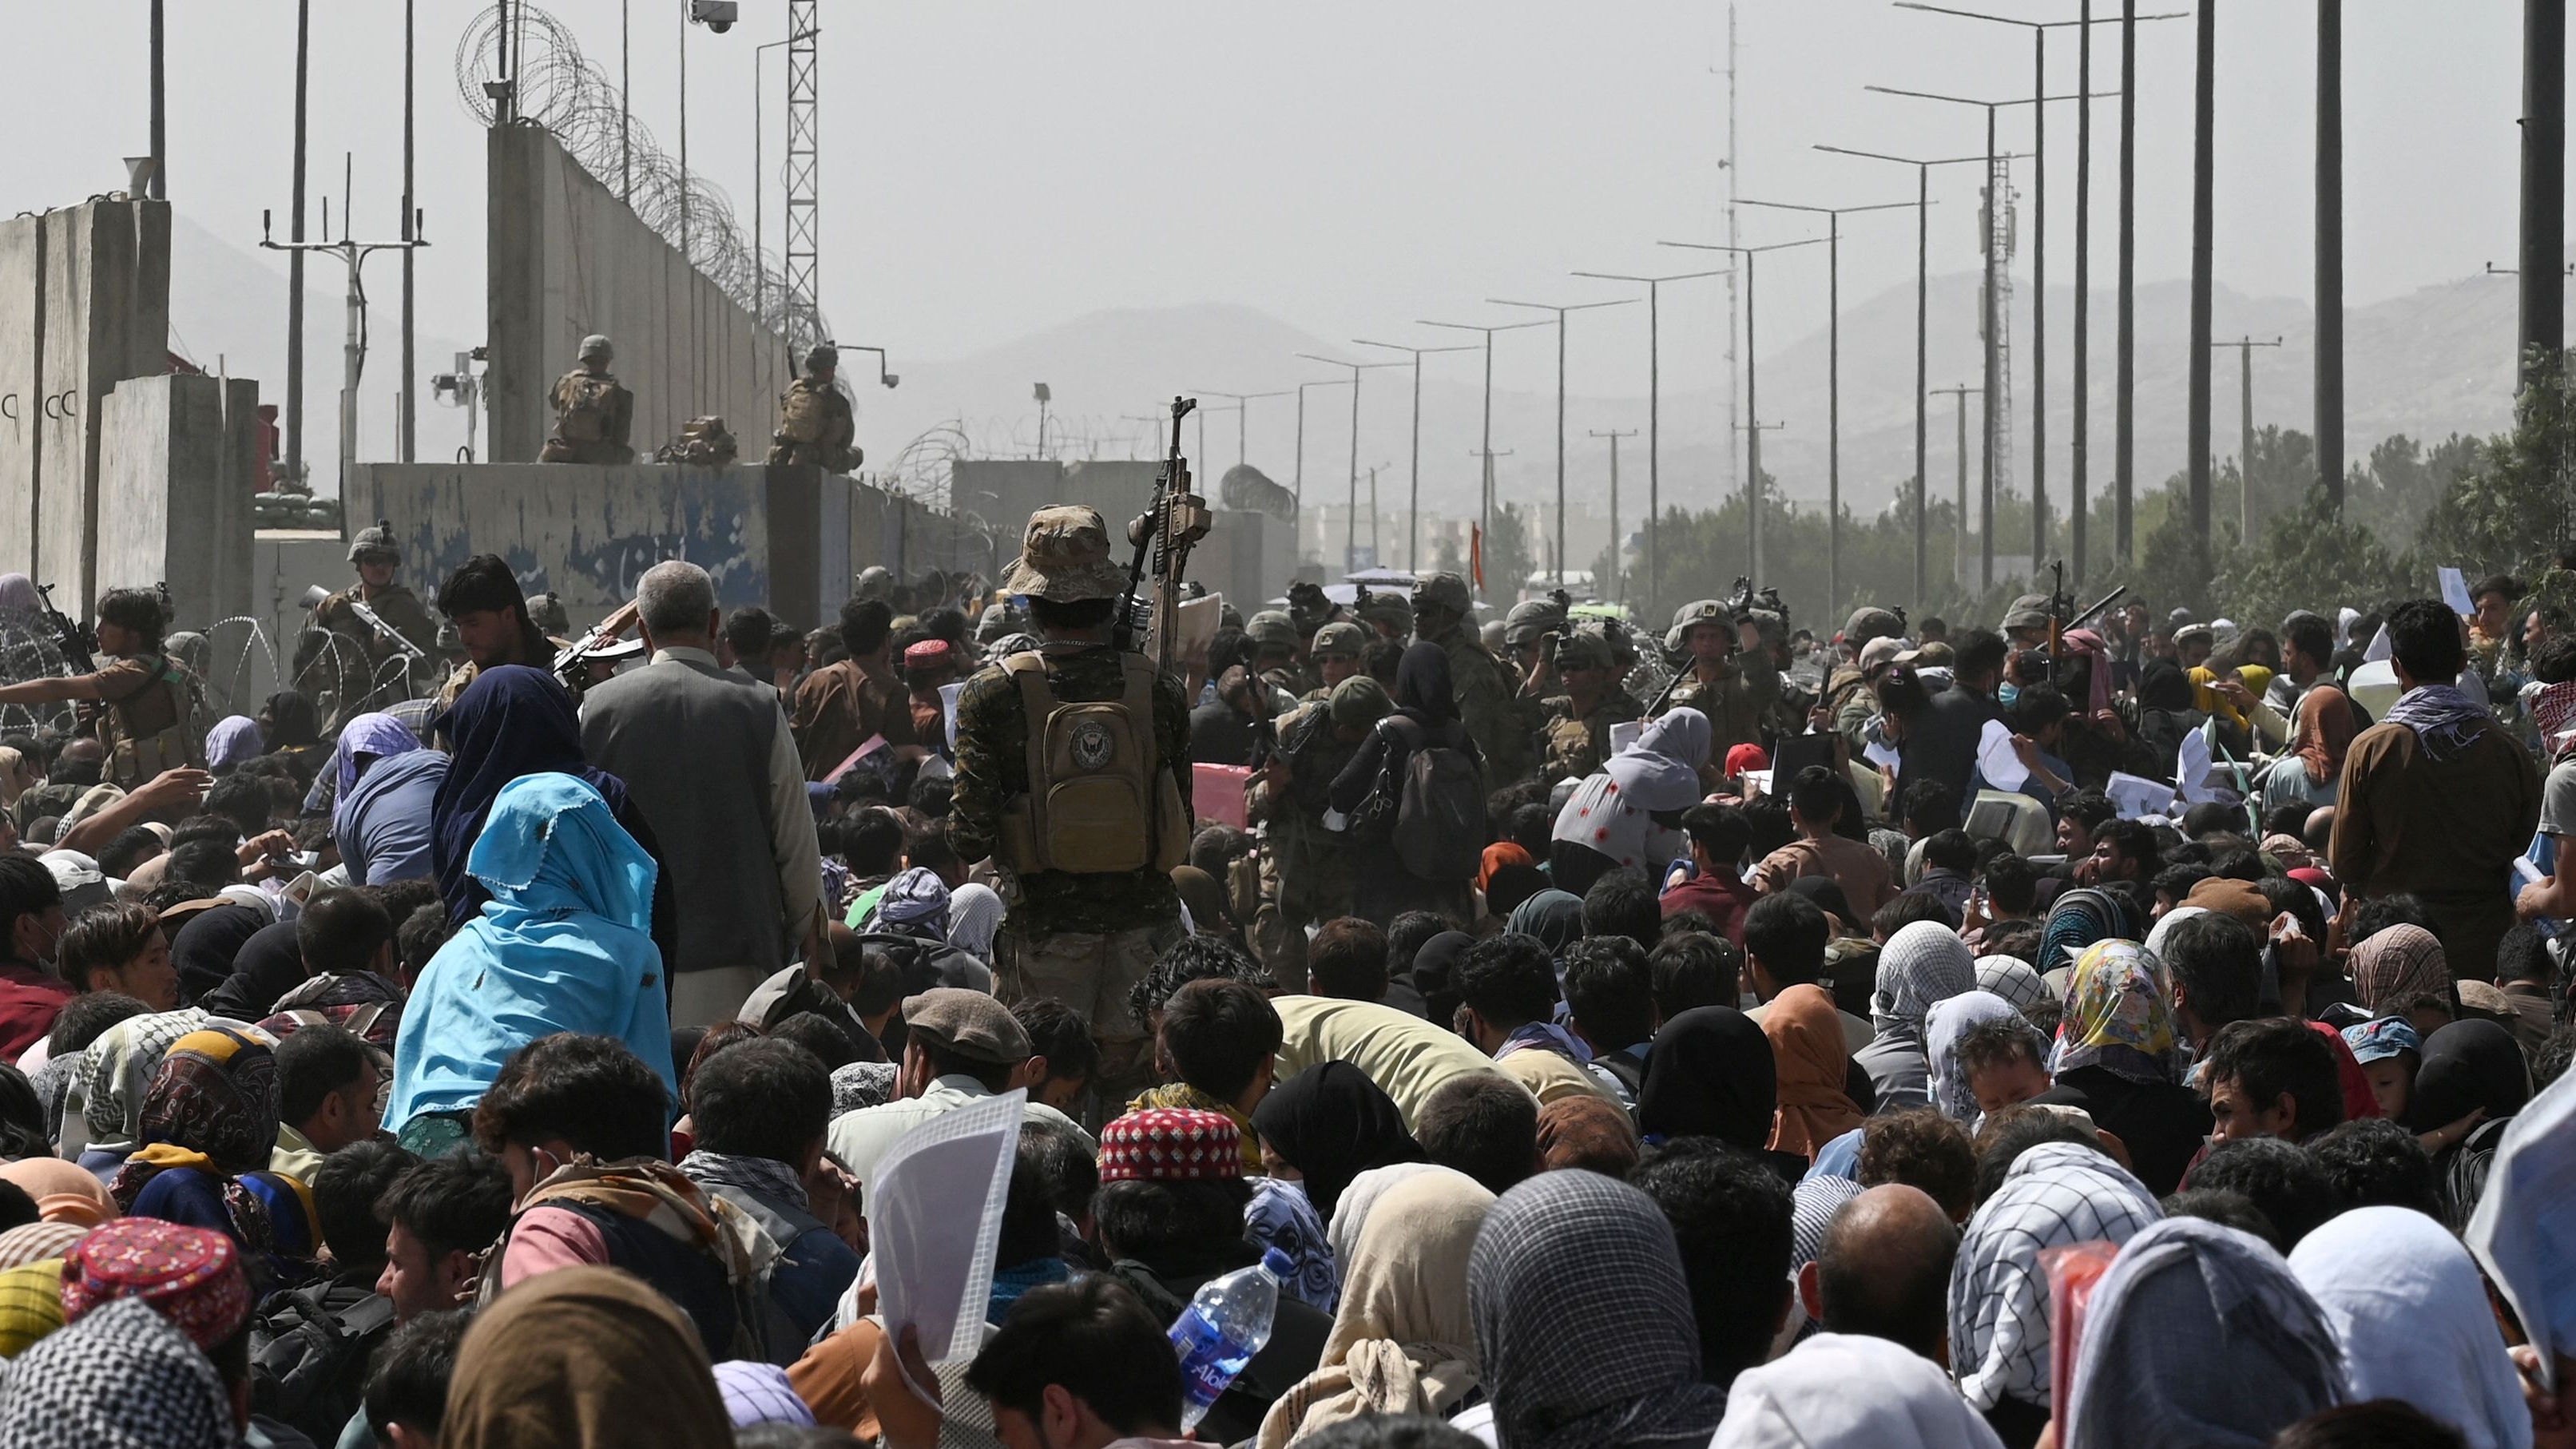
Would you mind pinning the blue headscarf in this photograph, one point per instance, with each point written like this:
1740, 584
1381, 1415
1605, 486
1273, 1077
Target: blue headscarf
368, 734
511, 721
562, 945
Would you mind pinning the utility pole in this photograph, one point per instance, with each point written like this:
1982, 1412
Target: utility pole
2541, 316
2125, 365
2329, 395
1413, 508
1752, 379
2204, 170
1351, 537
1922, 297
352, 254
158, 187
2079, 453
1833, 216
1654, 403
1485, 448
1959, 527
2245, 448
1300, 484
295, 258
1560, 403
1734, 178
407, 416
1609, 588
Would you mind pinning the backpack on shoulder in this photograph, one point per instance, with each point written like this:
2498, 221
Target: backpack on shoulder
1432, 809
308, 1361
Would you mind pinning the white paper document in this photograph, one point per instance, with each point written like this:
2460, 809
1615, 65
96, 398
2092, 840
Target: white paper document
948, 703
1624, 734
1879, 752
1996, 760
2455, 591
2191, 767
935, 1221
2137, 796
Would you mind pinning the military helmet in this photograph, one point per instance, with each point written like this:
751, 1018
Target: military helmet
1531, 618
1582, 649
1697, 611
1870, 622
376, 542
1443, 591
822, 355
1340, 638
1271, 629
1388, 608
596, 345
546, 611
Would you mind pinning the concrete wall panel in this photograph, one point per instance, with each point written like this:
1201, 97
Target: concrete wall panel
175, 467
22, 325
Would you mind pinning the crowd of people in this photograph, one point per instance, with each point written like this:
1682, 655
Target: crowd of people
2146, 1034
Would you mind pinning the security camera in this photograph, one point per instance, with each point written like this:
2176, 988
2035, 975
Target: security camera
891, 379
715, 15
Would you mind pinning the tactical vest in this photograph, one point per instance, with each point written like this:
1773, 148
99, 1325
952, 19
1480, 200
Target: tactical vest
585, 414
1101, 798
801, 416
134, 756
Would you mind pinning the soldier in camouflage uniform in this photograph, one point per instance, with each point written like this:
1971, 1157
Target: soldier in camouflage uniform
1530, 622
1305, 864
1578, 721
343, 656
815, 424
1732, 688
1336, 652
1872, 638
594, 413
1082, 938
1274, 655
1487, 689
1389, 615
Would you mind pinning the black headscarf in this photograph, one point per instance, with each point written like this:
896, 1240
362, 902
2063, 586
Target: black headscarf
1828, 895
2468, 1065
269, 965
511, 721
1435, 968
288, 720
2164, 686
1710, 1074
1332, 1124
22, 1118
206, 946
1422, 689
1511, 885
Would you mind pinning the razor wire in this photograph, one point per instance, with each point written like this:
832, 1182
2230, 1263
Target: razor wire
559, 89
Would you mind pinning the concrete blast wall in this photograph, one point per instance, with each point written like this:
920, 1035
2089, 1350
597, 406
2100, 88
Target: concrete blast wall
178, 459
84, 305
568, 259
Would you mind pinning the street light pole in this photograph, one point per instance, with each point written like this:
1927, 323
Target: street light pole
1654, 404
1609, 588
1560, 312
1242, 411
1922, 298
1351, 526
1752, 376
2245, 448
1833, 378
1959, 523
1485, 450
1413, 509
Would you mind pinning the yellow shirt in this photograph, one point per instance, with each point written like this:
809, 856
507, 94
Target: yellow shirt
1406, 1056
1549, 1075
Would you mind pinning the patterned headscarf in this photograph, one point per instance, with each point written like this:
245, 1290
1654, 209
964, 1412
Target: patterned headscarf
1811, 1210
36, 1242
2117, 1015
368, 734
2398, 966
192, 1275
2080, 918
758, 1393
1583, 1320
2055, 1195
1920, 965
2011, 978
2199, 1335
1949, 1022
915, 902
974, 918
31, 1305
122, 1378
212, 1105
862, 1084
119, 1065
1280, 1215
234, 739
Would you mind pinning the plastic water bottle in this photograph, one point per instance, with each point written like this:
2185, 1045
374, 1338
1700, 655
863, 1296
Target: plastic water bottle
1226, 1323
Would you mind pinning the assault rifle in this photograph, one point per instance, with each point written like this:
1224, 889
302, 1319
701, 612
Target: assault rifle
1163, 533
573, 661
78, 643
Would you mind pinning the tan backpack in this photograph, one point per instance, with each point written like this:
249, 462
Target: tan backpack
585, 416
801, 418
1101, 798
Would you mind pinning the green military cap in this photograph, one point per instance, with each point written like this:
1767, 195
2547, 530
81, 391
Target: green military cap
1271, 627
1341, 639
1359, 702
596, 345
1697, 611
375, 542
1443, 591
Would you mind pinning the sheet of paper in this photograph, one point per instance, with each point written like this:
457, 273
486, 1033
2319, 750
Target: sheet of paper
2137, 796
1194, 625
1996, 761
2191, 764
1757, 783
1880, 752
2455, 591
2379, 647
1623, 734
948, 705
935, 1221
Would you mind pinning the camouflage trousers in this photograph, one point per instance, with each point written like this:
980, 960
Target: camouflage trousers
1092, 972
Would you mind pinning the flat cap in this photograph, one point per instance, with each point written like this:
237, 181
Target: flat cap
969, 1024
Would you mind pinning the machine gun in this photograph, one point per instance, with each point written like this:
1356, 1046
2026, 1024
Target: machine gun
572, 663
2060, 603
1164, 534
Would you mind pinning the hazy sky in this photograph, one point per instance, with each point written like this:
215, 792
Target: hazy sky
992, 167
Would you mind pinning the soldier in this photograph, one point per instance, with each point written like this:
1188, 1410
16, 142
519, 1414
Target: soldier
1388, 613
1274, 654
1530, 621
1578, 721
1073, 774
593, 411
1337, 650
1731, 689
1872, 638
814, 421
1485, 686
354, 672
1305, 859
149, 724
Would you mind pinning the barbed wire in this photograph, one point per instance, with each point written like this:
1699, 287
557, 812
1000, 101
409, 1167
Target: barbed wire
559, 89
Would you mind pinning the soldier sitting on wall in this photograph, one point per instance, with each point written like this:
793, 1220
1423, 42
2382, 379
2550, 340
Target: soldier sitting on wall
593, 411
814, 421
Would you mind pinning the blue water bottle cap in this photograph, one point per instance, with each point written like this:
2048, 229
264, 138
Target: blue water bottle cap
1278, 1264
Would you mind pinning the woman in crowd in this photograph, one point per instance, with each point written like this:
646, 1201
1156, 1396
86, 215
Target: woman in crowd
1426, 715
2412, 1317
2313, 769
1710, 1074
2116, 1061
1806, 1038
1921, 966
1629, 814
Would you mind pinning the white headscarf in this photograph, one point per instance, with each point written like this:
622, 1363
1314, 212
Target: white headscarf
2520, 1232
2163, 929
1350, 1212
974, 918
1844, 1391
1661, 770
1948, 1022
2407, 1306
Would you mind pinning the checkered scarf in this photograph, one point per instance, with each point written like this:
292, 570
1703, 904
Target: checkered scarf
118, 1066
1811, 1211
2012, 978
1583, 1320
2394, 968
2057, 1194
121, 1378
862, 1084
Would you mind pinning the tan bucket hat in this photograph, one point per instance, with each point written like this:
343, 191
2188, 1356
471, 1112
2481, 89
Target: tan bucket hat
1065, 558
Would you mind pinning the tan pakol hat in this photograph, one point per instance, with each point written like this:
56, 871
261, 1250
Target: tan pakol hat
1065, 558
